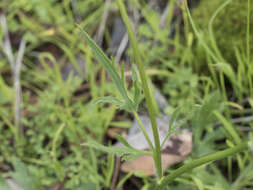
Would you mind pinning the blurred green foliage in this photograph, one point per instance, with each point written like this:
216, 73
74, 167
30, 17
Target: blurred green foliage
178, 64
230, 25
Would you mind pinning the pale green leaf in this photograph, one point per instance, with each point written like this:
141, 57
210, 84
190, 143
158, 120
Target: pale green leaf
119, 151
108, 99
108, 66
127, 152
22, 176
123, 141
137, 90
3, 185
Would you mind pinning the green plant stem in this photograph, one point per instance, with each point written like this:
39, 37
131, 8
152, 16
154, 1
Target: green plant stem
203, 160
143, 131
144, 80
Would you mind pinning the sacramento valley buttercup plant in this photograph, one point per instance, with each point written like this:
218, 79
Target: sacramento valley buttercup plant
129, 102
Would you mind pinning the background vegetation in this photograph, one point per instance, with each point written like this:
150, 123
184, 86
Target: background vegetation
201, 65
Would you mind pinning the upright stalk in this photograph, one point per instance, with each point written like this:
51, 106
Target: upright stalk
147, 94
16, 64
143, 131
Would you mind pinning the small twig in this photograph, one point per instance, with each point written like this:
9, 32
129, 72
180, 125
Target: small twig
115, 174
121, 49
238, 120
20, 55
76, 12
101, 29
6, 43
164, 16
17, 87
15, 68
124, 42
242, 119
244, 128
136, 183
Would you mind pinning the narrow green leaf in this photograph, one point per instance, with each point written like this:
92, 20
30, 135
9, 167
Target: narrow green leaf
173, 117
108, 65
123, 74
109, 169
172, 126
127, 152
137, 90
129, 157
119, 151
123, 141
108, 99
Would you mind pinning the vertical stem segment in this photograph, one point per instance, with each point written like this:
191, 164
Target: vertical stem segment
15, 68
151, 110
144, 131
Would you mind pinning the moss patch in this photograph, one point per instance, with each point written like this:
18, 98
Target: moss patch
229, 26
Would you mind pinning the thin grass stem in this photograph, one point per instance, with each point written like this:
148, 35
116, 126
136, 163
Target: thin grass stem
143, 131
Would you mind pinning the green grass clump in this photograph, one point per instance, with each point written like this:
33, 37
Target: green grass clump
229, 26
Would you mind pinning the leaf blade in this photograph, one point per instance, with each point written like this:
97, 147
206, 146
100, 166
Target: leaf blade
108, 65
